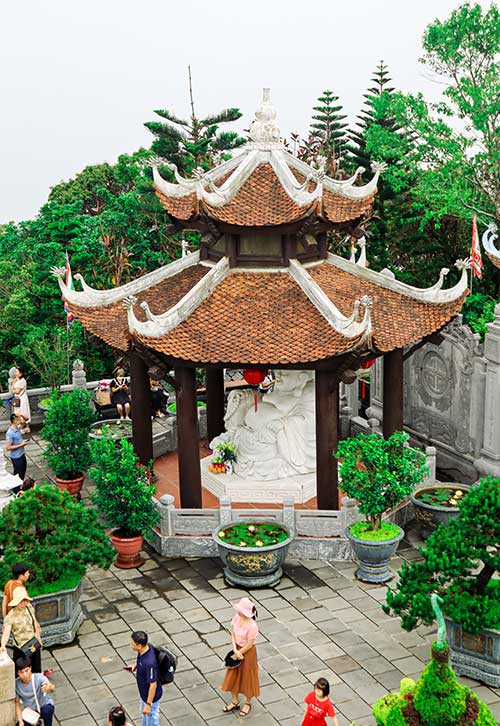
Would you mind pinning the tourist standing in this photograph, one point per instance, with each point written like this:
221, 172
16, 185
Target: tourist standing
26, 631
319, 705
20, 402
20, 576
148, 679
245, 678
116, 717
15, 446
120, 395
32, 691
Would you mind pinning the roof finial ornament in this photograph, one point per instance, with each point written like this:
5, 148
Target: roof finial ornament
264, 129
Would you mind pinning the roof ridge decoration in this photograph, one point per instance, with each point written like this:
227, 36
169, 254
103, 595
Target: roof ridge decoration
349, 327
91, 297
265, 147
433, 294
157, 325
489, 235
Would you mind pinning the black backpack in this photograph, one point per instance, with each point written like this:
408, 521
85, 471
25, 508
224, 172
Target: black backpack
167, 663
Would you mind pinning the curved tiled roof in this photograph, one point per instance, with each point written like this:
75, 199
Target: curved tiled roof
261, 317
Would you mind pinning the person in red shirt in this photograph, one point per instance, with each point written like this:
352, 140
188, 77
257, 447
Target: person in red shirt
319, 705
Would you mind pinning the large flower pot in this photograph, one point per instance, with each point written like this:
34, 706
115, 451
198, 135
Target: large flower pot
72, 486
128, 549
374, 557
116, 428
475, 655
251, 567
430, 516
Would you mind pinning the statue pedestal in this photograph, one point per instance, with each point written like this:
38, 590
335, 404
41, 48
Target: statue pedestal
301, 487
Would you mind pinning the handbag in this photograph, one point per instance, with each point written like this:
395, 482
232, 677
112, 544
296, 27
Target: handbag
16, 402
29, 715
231, 662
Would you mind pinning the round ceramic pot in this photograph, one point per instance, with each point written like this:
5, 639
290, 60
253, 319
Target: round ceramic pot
128, 549
72, 486
430, 516
374, 557
251, 567
119, 429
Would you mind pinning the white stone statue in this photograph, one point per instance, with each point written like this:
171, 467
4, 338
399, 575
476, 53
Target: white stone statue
279, 439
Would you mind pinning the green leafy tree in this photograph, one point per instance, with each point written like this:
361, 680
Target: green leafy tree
478, 310
193, 142
379, 472
56, 534
123, 491
327, 134
66, 428
459, 564
48, 350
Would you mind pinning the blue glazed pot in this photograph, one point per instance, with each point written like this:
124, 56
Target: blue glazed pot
374, 557
430, 516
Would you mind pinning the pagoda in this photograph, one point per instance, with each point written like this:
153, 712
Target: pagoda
264, 292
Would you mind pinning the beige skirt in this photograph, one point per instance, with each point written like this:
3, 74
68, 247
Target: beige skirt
245, 678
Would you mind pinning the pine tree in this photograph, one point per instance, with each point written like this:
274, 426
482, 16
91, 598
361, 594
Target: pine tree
357, 143
327, 135
193, 142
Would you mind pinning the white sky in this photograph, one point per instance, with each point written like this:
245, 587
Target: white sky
79, 79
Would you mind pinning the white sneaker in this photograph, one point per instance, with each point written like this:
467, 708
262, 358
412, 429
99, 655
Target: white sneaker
122, 418
127, 418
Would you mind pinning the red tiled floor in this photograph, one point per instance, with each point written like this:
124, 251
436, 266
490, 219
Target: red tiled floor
166, 470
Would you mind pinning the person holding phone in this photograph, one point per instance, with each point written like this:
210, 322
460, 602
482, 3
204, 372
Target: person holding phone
120, 395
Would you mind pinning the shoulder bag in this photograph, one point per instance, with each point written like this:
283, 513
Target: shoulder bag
29, 715
31, 646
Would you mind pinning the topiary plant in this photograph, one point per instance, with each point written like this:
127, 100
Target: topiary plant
66, 428
56, 534
123, 492
459, 563
379, 472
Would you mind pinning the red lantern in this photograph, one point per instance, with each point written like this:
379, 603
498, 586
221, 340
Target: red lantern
254, 376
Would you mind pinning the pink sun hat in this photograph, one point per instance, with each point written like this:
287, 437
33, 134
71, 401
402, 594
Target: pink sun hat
244, 607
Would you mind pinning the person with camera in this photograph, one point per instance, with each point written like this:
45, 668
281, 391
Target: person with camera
33, 699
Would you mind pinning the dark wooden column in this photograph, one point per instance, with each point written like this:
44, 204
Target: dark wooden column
142, 426
188, 437
327, 424
214, 378
393, 392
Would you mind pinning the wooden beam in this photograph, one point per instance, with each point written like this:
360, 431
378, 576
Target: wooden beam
140, 389
215, 402
327, 427
188, 437
393, 392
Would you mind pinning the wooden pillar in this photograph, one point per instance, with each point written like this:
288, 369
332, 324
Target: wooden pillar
393, 392
214, 378
142, 426
188, 437
327, 423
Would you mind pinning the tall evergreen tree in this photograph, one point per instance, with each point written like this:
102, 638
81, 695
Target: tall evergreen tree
357, 144
193, 142
327, 134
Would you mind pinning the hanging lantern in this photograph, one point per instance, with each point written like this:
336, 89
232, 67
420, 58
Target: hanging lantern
254, 376
365, 365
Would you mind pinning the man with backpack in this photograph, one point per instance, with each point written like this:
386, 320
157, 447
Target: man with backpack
148, 678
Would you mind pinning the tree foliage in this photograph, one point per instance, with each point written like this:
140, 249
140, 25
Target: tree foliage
59, 537
66, 428
458, 564
379, 472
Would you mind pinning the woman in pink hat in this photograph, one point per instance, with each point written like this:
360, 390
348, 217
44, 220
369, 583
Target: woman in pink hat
245, 678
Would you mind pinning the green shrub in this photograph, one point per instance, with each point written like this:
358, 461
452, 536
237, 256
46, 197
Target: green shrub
123, 492
379, 472
478, 310
57, 535
459, 564
383, 706
66, 428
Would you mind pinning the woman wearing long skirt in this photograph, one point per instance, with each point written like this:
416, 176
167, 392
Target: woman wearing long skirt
20, 402
245, 678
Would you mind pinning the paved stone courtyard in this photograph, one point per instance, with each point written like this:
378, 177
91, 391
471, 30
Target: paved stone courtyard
318, 621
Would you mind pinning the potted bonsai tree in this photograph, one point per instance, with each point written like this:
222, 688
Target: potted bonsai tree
124, 495
380, 473
66, 428
461, 563
60, 538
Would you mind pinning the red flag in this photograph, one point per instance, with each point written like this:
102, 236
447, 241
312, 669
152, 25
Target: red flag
68, 279
476, 263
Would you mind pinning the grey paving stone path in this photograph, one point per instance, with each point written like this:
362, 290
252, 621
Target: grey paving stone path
318, 621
